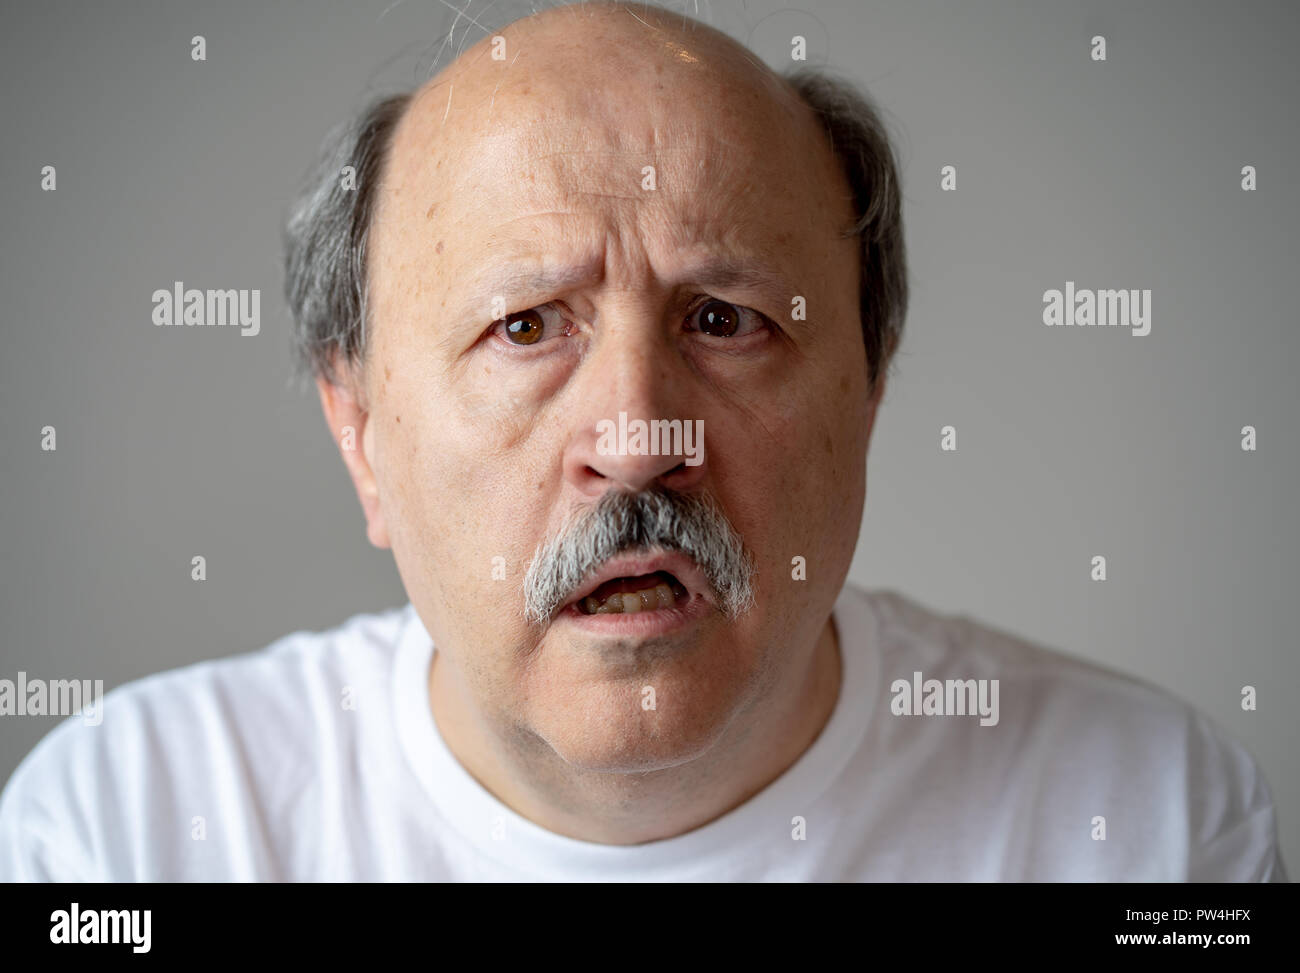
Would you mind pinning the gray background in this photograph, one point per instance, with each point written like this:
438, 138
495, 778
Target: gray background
181, 441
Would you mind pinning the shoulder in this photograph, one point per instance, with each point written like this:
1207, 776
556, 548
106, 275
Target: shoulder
1178, 792
1041, 684
94, 800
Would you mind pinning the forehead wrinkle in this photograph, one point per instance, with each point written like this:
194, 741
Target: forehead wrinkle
723, 226
543, 179
696, 153
687, 214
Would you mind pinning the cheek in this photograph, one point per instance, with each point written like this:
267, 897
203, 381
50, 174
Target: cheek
465, 505
799, 483
461, 456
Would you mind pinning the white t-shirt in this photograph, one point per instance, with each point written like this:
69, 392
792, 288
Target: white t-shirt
318, 758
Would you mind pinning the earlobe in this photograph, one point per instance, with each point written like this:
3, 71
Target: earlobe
346, 416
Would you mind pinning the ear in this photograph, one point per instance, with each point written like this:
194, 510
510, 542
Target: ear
346, 414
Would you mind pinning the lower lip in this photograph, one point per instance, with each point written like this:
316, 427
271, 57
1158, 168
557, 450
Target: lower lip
640, 624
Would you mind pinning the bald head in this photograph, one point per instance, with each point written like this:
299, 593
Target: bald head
624, 51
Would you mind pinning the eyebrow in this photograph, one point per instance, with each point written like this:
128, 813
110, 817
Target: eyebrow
532, 280
718, 271
754, 273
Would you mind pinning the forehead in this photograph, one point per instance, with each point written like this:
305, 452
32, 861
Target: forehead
473, 159
526, 160
667, 180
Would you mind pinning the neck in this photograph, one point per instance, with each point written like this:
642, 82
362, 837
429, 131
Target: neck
619, 809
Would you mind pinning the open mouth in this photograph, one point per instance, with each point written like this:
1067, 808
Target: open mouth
662, 589
656, 591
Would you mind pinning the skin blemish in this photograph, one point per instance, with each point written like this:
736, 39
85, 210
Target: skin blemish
438, 248
399, 420
428, 214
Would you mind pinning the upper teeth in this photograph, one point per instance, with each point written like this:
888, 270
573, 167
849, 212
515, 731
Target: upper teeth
645, 599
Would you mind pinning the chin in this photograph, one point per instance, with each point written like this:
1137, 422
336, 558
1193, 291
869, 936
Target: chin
608, 727
632, 751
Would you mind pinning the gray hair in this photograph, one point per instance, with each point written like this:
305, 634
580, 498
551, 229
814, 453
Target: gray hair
656, 517
861, 144
326, 239
327, 231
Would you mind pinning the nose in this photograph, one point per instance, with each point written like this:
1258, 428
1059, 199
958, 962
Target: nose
634, 427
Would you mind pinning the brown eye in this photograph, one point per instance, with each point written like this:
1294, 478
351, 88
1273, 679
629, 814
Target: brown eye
525, 327
719, 319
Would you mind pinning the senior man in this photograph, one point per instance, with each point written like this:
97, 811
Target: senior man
629, 653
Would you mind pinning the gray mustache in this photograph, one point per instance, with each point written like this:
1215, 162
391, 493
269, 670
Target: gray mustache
623, 522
